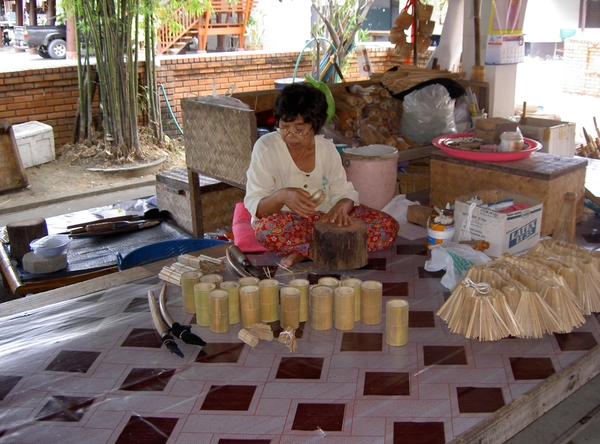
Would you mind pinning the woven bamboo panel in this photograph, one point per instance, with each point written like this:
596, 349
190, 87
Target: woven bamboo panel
449, 180
217, 205
218, 139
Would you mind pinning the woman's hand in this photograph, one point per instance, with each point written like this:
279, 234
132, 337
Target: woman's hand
298, 201
340, 213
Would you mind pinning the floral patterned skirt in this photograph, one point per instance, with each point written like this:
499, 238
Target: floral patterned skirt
286, 232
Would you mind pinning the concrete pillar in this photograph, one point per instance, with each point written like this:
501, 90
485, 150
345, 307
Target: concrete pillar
19, 18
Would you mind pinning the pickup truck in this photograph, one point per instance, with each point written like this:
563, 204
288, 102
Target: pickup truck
50, 41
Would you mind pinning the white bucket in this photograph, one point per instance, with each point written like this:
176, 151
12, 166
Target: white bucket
373, 170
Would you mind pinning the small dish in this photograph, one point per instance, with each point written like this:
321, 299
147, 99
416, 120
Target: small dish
50, 246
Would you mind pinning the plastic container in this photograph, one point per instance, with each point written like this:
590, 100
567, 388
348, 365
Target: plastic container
50, 246
511, 141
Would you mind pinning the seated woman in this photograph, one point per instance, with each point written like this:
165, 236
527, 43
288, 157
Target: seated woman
288, 166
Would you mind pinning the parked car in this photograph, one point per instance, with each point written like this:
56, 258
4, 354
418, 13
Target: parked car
50, 41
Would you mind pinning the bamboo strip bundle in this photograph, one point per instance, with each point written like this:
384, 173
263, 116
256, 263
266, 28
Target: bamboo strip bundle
593, 284
262, 331
513, 296
406, 76
248, 337
206, 264
572, 276
536, 317
178, 266
288, 338
173, 274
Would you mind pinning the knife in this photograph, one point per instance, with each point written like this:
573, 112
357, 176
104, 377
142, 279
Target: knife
242, 265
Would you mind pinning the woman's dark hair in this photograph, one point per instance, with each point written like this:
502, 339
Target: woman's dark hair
301, 99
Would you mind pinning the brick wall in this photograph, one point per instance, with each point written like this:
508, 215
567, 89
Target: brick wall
582, 66
50, 95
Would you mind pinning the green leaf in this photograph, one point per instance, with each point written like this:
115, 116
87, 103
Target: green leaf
325, 89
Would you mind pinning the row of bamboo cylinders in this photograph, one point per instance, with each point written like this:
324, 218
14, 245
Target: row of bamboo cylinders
373, 117
219, 304
546, 291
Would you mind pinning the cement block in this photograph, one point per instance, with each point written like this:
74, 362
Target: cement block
35, 141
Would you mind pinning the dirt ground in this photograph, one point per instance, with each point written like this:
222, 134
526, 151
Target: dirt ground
69, 173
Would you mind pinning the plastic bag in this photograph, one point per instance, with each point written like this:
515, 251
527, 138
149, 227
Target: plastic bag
427, 113
456, 259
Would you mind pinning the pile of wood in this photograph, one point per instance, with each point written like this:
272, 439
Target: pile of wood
371, 115
407, 76
423, 24
591, 148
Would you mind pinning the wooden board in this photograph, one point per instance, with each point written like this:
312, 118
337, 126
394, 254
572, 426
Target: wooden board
12, 174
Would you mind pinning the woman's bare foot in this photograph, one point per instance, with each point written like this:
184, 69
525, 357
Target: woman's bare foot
292, 259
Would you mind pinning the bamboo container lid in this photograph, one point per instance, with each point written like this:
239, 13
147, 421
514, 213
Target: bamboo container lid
290, 307
213, 278
303, 286
354, 283
219, 311
371, 301
343, 306
250, 305
329, 281
233, 290
321, 307
201, 295
269, 300
188, 280
248, 280
396, 322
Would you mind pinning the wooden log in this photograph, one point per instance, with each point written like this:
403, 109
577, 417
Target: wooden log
22, 232
340, 248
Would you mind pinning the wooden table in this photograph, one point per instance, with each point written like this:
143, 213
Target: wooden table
542, 176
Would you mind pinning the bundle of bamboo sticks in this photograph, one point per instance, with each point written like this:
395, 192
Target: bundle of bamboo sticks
186, 262
592, 148
407, 76
546, 291
372, 115
172, 273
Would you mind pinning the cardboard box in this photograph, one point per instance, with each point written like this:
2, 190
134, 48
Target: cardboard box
556, 137
515, 232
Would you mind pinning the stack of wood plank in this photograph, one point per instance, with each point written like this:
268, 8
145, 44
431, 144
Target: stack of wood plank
373, 116
407, 76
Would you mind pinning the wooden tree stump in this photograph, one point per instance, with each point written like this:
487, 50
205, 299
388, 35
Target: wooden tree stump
340, 248
22, 232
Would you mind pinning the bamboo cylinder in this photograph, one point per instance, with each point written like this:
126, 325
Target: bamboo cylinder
213, 278
250, 305
269, 300
201, 295
330, 282
219, 311
248, 280
396, 322
343, 306
187, 281
354, 283
290, 307
302, 285
321, 307
233, 290
371, 299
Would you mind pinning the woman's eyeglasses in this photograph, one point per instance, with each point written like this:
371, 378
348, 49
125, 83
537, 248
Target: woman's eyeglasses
285, 133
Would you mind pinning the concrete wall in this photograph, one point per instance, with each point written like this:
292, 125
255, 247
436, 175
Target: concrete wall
582, 65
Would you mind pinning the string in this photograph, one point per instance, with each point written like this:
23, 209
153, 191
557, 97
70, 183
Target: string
481, 288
